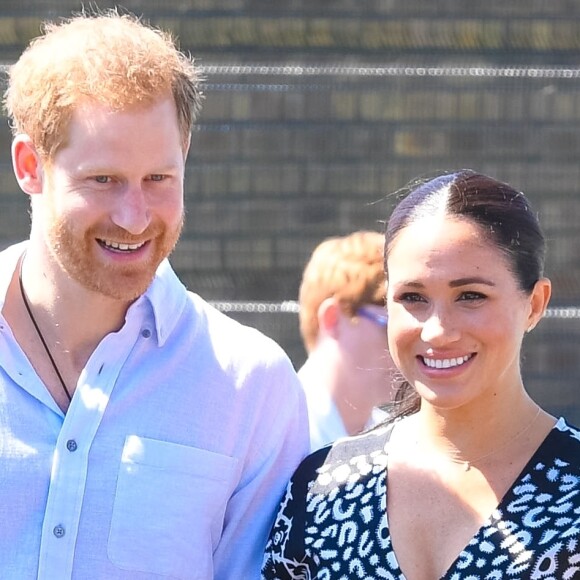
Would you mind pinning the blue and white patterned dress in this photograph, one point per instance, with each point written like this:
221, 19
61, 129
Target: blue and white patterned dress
332, 522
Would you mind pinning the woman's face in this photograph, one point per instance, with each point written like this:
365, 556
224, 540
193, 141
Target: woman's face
457, 315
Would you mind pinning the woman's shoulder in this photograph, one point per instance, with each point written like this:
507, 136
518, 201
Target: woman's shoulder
347, 458
557, 457
564, 426
566, 440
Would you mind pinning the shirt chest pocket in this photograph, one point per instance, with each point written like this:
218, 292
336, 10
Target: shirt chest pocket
169, 508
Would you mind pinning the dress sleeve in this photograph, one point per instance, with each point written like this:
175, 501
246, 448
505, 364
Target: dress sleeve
286, 556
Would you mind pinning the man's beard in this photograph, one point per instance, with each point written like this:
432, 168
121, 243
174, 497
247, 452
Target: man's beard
77, 255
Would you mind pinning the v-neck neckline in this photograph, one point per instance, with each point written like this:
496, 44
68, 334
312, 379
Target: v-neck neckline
506, 498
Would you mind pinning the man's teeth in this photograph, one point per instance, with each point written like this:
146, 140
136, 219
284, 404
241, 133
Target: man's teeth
446, 363
122, 247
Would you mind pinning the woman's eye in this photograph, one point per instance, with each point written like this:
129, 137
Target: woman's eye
472, 296
411, 297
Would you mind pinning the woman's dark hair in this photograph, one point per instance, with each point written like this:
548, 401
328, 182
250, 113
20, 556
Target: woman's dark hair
503, 214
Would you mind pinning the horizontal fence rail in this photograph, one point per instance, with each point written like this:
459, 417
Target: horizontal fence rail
292, 307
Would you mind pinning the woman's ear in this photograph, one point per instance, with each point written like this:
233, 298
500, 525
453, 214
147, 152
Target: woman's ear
27, 165
539, 299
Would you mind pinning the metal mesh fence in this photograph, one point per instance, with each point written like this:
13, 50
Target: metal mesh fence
317, 111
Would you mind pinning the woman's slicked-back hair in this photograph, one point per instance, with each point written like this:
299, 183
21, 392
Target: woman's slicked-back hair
503, 214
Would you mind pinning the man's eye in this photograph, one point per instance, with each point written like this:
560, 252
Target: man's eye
102, 179
157, 177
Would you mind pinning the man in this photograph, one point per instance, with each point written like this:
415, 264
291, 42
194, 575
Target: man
144, 434
348, 372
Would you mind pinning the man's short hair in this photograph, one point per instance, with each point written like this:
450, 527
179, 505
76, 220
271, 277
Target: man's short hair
348, 268
105, 57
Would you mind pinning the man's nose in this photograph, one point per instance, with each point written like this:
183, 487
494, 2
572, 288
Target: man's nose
132, 211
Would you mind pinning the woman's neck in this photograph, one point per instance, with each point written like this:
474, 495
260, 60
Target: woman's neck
474, 431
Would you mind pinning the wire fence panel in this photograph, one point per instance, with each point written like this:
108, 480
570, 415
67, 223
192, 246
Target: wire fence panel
317, 111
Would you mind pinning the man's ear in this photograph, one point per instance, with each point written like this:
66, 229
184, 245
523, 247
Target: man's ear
328, 317
27, 165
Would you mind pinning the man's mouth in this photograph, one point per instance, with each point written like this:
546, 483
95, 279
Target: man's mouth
120, 247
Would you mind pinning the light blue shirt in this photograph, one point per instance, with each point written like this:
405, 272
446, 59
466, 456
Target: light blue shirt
325, 423
171, 460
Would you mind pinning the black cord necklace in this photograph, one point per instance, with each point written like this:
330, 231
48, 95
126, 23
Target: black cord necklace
33, 320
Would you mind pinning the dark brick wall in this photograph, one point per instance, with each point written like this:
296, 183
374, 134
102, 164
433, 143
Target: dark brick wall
316, 110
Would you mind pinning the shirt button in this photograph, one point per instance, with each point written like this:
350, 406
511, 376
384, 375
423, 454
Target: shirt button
58, 531
71, 445
145, 333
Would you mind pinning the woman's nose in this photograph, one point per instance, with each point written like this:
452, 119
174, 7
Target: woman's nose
439, 329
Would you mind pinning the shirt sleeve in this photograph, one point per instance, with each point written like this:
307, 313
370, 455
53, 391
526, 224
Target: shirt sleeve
279, 444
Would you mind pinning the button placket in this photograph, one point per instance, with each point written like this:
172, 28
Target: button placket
70, 469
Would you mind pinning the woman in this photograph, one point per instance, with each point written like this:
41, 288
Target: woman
474, 479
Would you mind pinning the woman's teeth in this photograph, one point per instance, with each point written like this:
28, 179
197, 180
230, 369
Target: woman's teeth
446, 363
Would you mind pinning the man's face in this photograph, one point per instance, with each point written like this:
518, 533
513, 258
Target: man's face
366, 358
112, 201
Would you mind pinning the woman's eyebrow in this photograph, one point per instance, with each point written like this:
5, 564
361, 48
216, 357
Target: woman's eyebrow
470, 280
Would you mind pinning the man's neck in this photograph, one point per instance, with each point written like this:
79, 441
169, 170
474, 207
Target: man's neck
320, 371
70, 315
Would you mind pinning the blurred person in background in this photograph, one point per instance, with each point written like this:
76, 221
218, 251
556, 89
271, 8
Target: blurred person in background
470, 477
348, 373
144, 434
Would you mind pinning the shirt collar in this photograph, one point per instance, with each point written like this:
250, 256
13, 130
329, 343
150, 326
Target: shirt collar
8, 263
167, 296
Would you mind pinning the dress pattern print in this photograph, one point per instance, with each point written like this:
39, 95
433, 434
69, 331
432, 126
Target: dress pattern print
332, 523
